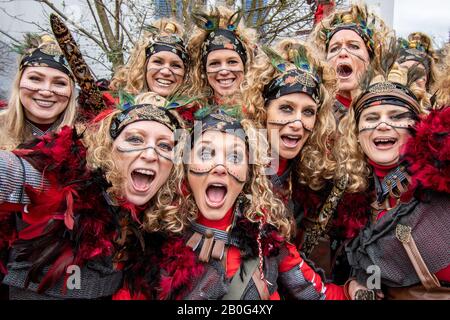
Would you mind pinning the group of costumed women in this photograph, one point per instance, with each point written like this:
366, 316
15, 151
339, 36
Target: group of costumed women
216, 167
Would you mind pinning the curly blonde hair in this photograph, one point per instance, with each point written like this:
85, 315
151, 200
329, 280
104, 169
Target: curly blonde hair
443, 84
350, 156
197, 84
351, 160
100, 155
132, 76
259, 197
380, 31
13, 130
426, 41
316, 163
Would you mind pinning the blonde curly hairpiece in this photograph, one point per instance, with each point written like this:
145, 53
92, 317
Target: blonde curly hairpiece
197, 84
257, 191
316, 163
132, 76
100, 155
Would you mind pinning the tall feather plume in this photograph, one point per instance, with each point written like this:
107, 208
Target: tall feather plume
366, 78
389, 56
301, 58
234, 20
415, 73
31, 41
275, 59
205, 21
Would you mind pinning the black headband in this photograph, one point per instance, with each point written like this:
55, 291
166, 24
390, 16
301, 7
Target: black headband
220, 121
293, 81
171, 43
387, 93
142, 112
46, 57
411, 54
364, 32
223, 39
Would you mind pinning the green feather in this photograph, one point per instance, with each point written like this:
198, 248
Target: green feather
277, 61
176, 100
205, 21
301, 58
30, 41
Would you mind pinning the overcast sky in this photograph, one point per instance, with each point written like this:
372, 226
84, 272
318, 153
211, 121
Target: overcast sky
429, 16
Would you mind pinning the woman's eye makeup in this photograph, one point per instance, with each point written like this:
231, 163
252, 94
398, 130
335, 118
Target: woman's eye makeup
235, 157
165, 146
134, 139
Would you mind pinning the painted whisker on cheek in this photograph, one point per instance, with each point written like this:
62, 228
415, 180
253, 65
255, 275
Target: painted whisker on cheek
129, 150
283, 123
395, 127
206, 170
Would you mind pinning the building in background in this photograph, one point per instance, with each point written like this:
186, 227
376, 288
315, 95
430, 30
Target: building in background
168, 8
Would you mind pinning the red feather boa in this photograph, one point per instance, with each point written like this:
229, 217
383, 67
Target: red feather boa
427, 153
352, 214
74, 198
179, 267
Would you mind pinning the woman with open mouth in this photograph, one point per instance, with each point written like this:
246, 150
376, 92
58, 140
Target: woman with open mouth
349, 39
221, 49
418, 51
73, 205
158, 62
42, 96
233, 223
294, 100
399, 157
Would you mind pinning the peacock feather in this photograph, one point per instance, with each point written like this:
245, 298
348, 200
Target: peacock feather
234, 20
275, 59
205, 21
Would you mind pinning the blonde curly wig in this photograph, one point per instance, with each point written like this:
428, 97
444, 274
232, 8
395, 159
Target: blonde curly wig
315, 163
197, 84
13, 130
351, 160
356, 12
443, 84
421, 39
259, 197
132, 76
101, 155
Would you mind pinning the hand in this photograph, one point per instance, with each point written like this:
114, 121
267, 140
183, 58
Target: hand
367, 294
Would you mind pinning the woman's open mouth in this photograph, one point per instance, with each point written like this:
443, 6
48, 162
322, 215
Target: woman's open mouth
384, 143
290, 141
344, 71
142, 179
216, 194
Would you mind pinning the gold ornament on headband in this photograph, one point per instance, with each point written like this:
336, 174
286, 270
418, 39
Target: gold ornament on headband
398, 75
170, 28
47, 39
347, 19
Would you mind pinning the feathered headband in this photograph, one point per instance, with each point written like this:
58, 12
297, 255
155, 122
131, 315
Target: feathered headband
171, 43
218, 38
360, 25
298, 76
166, 113
43, 52
218, 119
387, 83
414, 50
